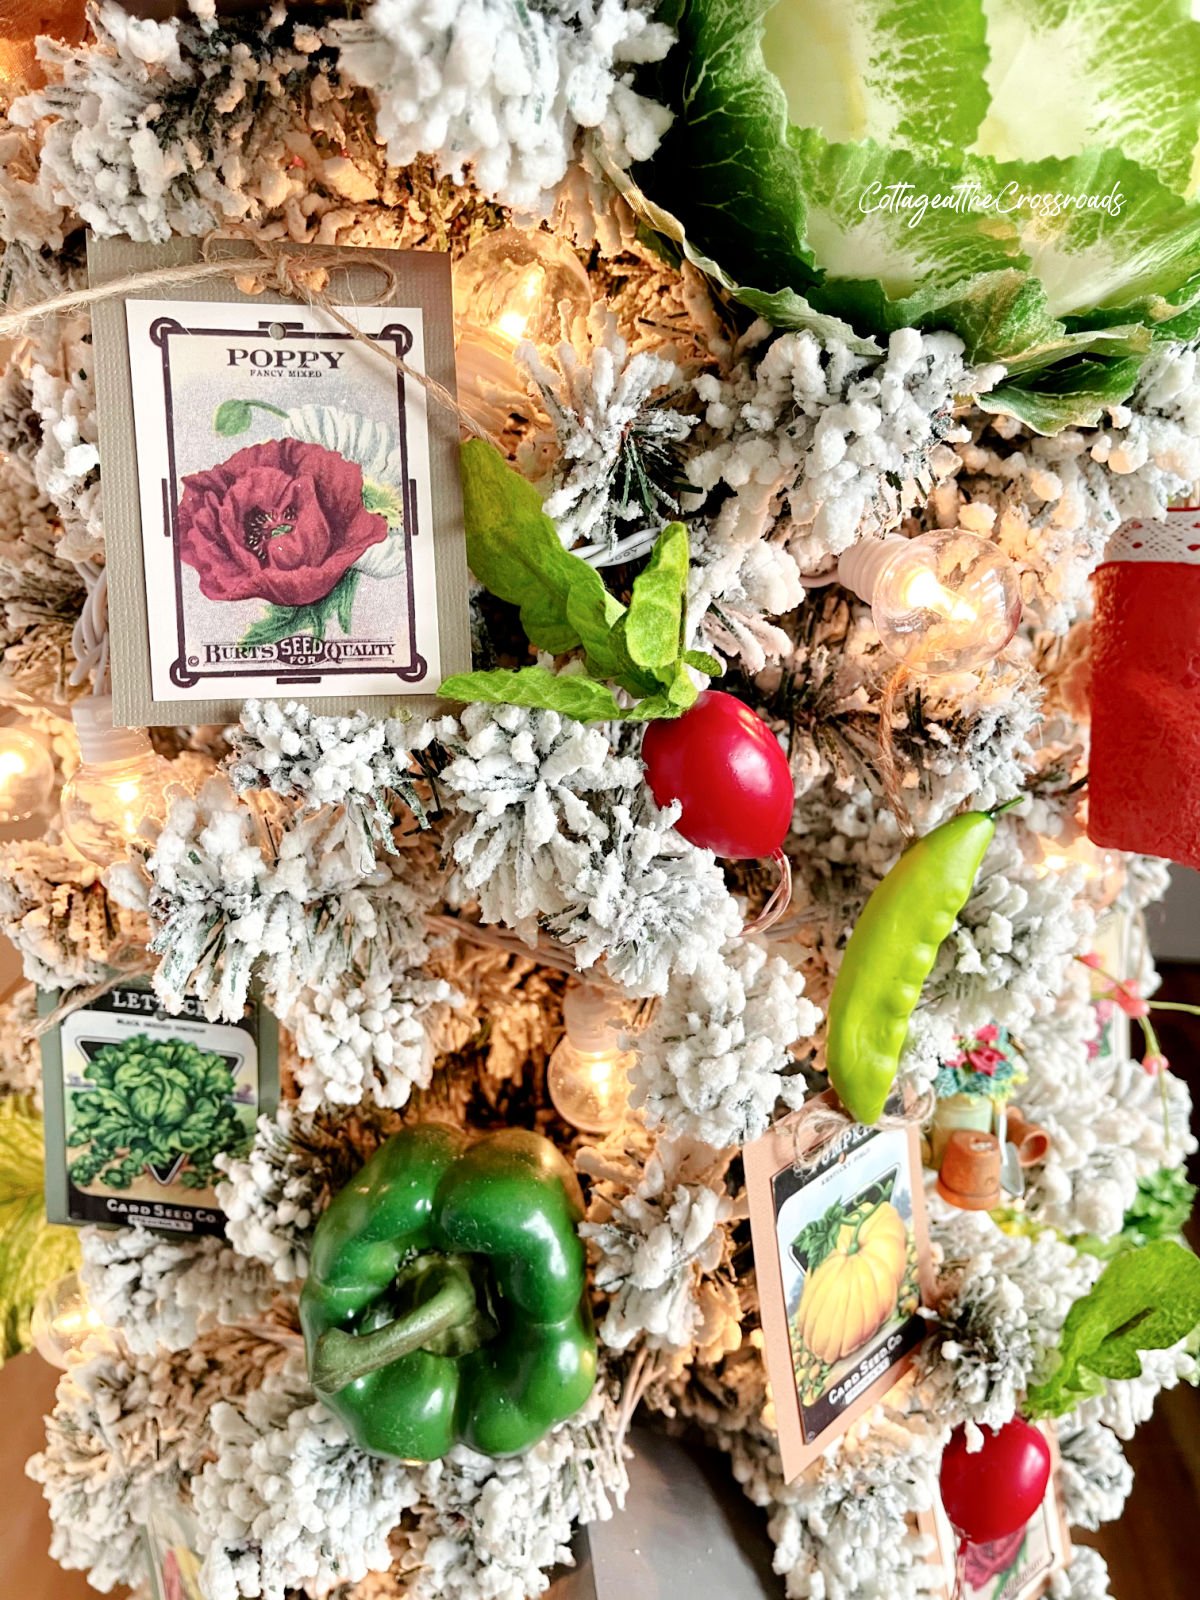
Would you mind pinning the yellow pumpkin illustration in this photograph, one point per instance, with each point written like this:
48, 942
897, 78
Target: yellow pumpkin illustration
853, 1292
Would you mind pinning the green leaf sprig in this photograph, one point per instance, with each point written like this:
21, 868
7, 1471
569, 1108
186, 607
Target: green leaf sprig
1145, 1299
514, 551
33, 1252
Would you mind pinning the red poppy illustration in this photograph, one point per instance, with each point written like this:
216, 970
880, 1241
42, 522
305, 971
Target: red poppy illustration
279, 521
983, 1562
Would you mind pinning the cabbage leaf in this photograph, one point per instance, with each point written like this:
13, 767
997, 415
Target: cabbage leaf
1020, 174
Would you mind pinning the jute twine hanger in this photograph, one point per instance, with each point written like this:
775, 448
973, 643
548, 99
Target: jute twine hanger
288, 270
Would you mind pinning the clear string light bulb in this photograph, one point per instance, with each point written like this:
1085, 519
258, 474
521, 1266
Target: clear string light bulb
947, 601
588, 1075
63, 1320
515, 284
118, 791
26, 775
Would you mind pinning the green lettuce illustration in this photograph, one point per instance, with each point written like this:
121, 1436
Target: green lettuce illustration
1021, 174
159, 1103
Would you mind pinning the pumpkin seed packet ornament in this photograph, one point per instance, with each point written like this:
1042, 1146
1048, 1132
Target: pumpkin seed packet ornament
139, 1104
841, 1253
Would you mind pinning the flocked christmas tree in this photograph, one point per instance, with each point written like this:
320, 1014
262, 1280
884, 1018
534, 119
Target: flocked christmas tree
751, 413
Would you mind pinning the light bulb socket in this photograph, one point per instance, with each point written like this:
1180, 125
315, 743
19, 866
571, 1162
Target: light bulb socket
860, 568
99, 741
589, 1020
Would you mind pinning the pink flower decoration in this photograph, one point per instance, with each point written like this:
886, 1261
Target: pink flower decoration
280, 521
986, 1060
1091, 960
1105, 1010
983, 1562
1154, 1064
989, 1033
1130, 1002
957, 1060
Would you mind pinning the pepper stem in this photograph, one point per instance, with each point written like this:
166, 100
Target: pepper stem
341, 1357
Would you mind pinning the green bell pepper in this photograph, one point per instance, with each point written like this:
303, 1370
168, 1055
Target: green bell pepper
891, 953
447, 1296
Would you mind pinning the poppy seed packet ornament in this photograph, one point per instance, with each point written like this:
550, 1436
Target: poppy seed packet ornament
140, 1103
841, 1253
283, 513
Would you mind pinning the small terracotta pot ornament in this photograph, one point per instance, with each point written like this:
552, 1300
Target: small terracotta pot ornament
1032, 1140
971, 1111
970, 1172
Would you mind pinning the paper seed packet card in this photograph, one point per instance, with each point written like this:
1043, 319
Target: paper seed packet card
170, 1539
139, 1103
282, 506
842, 1257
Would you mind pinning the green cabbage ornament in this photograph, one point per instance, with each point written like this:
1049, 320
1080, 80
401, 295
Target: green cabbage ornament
1020, 172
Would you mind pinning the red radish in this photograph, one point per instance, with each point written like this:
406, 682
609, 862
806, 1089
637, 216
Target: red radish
724, 766
990, 1493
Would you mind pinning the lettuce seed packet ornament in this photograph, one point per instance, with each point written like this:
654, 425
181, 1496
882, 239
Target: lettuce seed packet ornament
140, 1104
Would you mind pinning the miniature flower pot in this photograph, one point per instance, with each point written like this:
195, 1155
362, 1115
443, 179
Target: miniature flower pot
970, 1172
1032, 1141
958, 1111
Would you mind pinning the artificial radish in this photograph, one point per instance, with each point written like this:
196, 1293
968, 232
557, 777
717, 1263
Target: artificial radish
723, 764
991, 1492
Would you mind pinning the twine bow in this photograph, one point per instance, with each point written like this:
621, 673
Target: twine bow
820, 1121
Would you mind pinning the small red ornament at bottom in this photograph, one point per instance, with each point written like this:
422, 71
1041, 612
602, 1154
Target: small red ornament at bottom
991, 1492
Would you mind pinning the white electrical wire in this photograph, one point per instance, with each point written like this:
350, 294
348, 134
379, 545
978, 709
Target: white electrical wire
89, 637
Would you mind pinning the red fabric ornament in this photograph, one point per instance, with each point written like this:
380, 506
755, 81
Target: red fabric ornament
1144, 772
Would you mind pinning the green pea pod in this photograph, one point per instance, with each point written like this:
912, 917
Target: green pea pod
891, 953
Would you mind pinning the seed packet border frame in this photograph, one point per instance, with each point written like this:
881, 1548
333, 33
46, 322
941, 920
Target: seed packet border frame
763, 1159
936, 1525
57, 1189
421, 277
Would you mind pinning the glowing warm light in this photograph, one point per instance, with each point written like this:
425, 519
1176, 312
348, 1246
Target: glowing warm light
118, 793
26, 775
946, 601
922, 589
515, 284
63, 1320
511, 325
588, 1075
1100, 869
